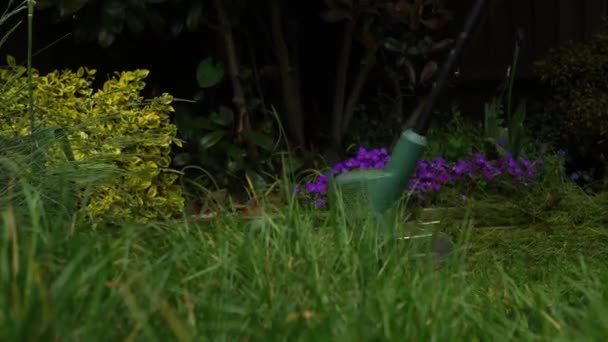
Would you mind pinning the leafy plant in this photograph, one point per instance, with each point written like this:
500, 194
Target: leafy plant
577, 107
457, 138
400, 32
511, 138
373, 129
209, 73
104, 20
412, 47
217, 140
112, 125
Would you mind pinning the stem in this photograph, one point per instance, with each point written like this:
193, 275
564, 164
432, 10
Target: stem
341, 78
398, 104
511, 81
355, 94
294, 115
233, 69
30, 79
424, 109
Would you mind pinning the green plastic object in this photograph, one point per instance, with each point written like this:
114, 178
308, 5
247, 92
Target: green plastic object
379, 190
403, 161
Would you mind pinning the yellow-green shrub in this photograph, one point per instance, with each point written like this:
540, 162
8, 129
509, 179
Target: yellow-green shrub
111, 125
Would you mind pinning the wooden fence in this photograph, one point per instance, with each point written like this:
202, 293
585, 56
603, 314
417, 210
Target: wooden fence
545, 23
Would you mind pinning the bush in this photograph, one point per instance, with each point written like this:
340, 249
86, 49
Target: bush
112, 125
576, 74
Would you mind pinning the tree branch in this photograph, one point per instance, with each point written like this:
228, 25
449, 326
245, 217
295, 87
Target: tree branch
233, 70
355, 94
340, 85
294, 115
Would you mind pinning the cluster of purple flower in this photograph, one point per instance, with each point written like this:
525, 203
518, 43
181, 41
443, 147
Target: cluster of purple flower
317, 190
430, 176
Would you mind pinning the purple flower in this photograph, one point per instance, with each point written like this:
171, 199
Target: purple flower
444, 177
488, 174
311, 187
461, 167
430, 177
575, 176
527, 167
339, 168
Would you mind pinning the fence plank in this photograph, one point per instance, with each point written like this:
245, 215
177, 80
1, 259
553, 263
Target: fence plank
591, 20
547, 23
546, 26
569, 20
524, 20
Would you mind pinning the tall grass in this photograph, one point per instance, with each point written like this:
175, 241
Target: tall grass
290, 275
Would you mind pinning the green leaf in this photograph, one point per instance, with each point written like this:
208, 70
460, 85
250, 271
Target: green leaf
225, 117
113, 24
208, 73
136, 24
235, 153
115, 9
193, 20
105, 38
258, 182
211, 139
156, 21
491, 120
259, 139
203, 123
292, 164
517, 131
233, 166
411, 73
393, 44
184, 116
236, 158
176, 28
520, 114
182, 159
69, 7
413, 51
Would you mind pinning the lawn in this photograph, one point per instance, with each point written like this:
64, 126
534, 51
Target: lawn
294, 273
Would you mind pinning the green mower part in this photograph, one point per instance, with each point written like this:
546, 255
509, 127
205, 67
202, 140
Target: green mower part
378, 190
403, 162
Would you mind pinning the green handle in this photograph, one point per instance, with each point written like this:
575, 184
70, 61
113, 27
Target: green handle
403, 162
